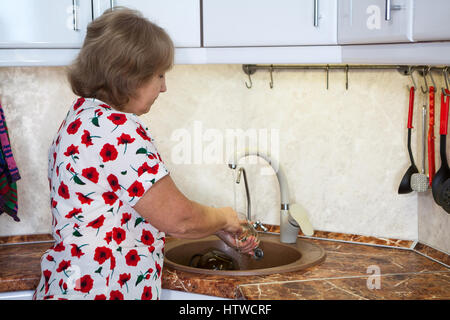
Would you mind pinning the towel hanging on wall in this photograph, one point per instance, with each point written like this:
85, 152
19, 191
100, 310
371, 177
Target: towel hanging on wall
9, 173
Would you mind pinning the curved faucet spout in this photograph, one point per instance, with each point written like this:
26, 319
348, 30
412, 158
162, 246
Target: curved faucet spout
247, 192
284, 189
288, 227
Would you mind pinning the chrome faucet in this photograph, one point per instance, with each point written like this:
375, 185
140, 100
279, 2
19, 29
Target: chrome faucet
289, 228
247, 192
257, 223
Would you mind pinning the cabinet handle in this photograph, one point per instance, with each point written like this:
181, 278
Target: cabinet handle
75, 14
387, 15
316, 13
389, 8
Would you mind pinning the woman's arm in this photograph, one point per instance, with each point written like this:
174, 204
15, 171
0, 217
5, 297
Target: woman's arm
168, 210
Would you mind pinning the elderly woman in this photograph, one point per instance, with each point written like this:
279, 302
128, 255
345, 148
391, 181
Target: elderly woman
112, 197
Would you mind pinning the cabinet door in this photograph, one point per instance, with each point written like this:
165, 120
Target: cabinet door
44, 23
431, 20
374, 21
180, 19
269, 22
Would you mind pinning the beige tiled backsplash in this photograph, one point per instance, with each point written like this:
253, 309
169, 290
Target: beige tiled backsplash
343, 151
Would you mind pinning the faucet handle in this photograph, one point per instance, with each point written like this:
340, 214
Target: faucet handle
257, 224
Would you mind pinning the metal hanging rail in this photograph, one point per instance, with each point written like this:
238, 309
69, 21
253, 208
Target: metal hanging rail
250, 69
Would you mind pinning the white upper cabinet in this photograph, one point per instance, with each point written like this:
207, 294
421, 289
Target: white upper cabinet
431, 20
44, 23
375, 21
180, 18
234, 23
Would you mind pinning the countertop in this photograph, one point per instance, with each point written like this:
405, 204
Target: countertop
350, 271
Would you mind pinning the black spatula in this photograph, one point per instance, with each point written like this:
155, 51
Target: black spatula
405, 184
444, 171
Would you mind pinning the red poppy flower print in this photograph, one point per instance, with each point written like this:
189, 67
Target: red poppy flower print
113, 263
79, 103
63, 191
63, 265
123, 278
84, 199
109, 197
69, 168
118, 235
76, 251
47, 274
108, 152
105, 106
147, 238
63, 285
108, 237
125, 218
59, 247
117, 118
146, 168
113, 182
72, 128
141, 131
100, 297
132, 258
71, 150
136, 189
86, 139
91, 174
102, 254
158, 269
97, 223
124, 139
147, 293
73, 213
115, 295
84, 284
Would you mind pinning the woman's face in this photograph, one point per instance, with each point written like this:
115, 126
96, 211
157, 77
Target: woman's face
146, 95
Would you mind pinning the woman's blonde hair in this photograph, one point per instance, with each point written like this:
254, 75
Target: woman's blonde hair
122, 50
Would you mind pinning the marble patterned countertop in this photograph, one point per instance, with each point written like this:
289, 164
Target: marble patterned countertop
348, 272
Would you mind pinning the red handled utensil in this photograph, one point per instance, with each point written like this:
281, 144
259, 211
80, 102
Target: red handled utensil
431, 137
444, 171
405, 183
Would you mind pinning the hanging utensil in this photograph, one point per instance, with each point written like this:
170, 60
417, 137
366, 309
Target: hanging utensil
419, 181
405, 183
431, 137
444, 171
444, 192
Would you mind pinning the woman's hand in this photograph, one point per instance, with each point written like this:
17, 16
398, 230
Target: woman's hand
247, 246
233, 228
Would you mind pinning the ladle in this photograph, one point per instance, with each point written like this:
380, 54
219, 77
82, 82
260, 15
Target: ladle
444, 171
405, 183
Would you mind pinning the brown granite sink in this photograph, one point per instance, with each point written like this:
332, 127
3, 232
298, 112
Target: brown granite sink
278, 257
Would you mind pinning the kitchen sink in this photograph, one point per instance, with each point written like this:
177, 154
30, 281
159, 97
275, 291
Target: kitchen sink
278, 257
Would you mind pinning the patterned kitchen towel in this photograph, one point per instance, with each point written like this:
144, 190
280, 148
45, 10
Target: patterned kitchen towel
9, 173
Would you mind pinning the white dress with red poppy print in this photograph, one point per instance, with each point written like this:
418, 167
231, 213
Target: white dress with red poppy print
101, 163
